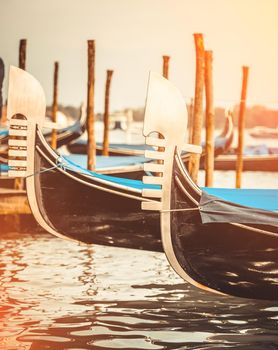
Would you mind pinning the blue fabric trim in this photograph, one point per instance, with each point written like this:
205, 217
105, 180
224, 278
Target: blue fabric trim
4, 168
4, 132
136, 184
266, 199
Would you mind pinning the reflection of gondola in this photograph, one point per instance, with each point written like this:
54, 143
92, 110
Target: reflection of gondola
64, 198
223, 240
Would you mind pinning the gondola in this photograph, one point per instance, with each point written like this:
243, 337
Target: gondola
64, 135
115, 149
221, 240
262, 132
268, 162
68, 200
221, 144
252, 162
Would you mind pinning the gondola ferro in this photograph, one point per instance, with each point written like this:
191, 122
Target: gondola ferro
222, 240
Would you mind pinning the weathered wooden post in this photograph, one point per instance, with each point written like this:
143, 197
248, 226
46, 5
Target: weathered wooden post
91, 145
194, 162
2, 73
190, 120
166, 60
22, 54
241, 125
55, 105
209, 150
105, 147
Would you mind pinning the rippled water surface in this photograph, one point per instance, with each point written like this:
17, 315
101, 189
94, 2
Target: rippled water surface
56, 294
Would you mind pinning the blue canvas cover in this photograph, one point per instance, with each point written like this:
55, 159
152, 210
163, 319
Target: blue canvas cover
266, 199
67, 162
245, 206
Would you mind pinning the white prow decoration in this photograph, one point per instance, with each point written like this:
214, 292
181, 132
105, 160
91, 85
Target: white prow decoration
165, 114
26, 111
29, 98
26, 107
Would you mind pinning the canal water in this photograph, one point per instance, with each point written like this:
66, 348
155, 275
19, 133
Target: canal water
57, 294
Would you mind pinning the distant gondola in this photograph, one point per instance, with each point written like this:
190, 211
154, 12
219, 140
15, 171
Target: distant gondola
221, 144
64, 135
222, 240
252, 162
262, 132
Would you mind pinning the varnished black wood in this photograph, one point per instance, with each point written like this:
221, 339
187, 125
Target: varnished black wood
227, 258
92, 215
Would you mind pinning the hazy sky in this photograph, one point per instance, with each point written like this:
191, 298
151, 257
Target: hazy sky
131, 37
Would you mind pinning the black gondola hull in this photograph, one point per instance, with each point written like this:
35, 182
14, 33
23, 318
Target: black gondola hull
73, 206
235, 260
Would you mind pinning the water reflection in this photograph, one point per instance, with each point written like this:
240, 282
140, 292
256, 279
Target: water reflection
60, 295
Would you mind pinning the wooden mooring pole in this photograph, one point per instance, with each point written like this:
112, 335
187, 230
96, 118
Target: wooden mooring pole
241, 125
22, 54
190, 120
91, 146
55, 105
2, 74
105, 147
194, 162
166, 60
209, 150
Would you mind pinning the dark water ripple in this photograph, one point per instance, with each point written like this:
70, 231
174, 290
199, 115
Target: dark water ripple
57, 294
